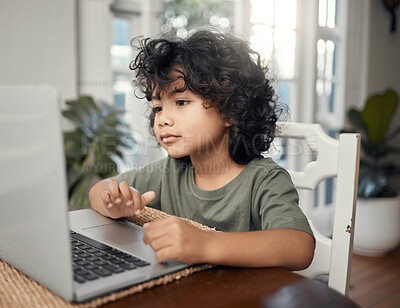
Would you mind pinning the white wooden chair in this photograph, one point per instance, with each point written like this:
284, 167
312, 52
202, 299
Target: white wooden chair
338, 158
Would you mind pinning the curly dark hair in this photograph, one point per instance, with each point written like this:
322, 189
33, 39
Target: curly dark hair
226, 72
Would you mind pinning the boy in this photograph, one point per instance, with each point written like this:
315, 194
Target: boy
215, 113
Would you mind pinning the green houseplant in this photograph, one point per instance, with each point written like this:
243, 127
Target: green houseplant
377, 226
91, 149
373, 123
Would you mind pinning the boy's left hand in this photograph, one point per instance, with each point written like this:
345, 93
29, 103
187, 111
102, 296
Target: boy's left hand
173, 238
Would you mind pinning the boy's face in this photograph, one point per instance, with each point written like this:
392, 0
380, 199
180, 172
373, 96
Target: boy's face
183, 126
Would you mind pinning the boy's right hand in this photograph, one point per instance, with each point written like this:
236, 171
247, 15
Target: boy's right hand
124, 200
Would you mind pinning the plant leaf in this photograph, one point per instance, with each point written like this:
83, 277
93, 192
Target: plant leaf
393, 133
377, 114
356, 120
99, 136
74, 145
80, 193
75, 173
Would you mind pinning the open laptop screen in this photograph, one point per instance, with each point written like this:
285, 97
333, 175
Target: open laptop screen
33, 197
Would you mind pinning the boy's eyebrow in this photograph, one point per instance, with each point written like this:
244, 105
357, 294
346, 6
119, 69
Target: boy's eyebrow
170, 93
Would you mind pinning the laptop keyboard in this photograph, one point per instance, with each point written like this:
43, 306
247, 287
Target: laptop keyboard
93, 260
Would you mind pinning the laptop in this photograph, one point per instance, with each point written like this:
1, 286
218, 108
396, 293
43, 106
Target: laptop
78, 255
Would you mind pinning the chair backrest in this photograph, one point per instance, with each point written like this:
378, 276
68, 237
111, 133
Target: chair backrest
338, 158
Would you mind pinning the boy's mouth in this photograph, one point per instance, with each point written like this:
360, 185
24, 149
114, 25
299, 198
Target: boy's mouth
169, 138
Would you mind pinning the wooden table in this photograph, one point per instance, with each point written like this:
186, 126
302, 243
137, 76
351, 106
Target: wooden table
239, 287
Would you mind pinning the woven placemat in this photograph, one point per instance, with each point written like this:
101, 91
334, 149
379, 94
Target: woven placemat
18, 290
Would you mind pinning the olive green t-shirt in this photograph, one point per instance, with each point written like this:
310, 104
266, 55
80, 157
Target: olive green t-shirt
261, 197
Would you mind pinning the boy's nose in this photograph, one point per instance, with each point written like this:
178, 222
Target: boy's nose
165, 119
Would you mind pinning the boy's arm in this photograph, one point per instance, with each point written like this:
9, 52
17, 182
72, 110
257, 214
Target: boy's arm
288, 248
115, 201
173, 238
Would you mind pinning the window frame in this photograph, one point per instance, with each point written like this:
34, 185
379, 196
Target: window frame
303, 106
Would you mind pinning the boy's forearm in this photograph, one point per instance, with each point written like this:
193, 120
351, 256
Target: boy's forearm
95, 193
287, 248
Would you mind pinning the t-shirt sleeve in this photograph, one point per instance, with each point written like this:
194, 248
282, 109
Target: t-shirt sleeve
145, 179
277, 202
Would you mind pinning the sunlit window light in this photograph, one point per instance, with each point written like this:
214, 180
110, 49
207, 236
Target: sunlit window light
322, 13
285, 43
328, 88
330, 49
331, 13
285, 14
327, 13
273, 34
262, 12
320, 58
320, 87
262, 41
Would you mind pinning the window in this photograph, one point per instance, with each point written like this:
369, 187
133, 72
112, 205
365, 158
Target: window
273, 35
285, 32
304, 43
330, 80
121, 55
130, 19
273, 30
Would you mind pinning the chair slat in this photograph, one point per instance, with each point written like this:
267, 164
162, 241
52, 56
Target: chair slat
338, 158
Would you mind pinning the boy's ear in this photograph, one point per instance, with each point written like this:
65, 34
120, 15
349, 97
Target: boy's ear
227, 124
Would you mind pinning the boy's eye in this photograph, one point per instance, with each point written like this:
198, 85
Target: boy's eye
182, 103
157, 109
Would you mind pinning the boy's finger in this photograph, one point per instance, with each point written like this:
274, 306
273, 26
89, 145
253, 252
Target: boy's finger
147, 197
136, 199
126, 193
106, 198
115, 193
154, 233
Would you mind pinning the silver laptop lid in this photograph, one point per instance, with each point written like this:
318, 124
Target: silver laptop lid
33, 202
